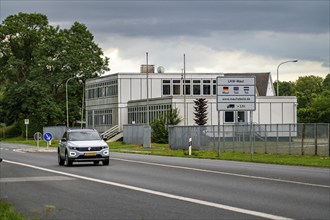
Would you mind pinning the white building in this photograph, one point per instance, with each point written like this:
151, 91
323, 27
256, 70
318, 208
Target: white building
121, 98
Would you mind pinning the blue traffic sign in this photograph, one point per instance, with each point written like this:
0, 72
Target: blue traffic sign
48, 136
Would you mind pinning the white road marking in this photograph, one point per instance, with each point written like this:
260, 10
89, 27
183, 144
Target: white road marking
34, 179
223, 173
153, 192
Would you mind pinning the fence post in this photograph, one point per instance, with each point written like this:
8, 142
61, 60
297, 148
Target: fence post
290, 139
266, 134
219, 134
302, 138
234, 137
315, 138
243, 129
224, 137
276, 139
329, 139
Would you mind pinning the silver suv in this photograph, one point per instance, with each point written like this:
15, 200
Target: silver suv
82, 145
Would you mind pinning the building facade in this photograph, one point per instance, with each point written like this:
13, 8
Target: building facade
122, 98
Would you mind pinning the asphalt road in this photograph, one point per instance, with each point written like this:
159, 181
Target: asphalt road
153, 187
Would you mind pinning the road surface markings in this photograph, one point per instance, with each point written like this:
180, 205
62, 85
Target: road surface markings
153, 192
223, 173
34, 179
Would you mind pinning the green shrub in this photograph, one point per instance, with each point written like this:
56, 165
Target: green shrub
159, 126
13, 130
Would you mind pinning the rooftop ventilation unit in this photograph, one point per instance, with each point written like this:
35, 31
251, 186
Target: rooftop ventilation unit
144, 68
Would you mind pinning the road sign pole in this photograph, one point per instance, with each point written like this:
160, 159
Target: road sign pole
48, 138
26, 132
251, 136
26, 122
219, 134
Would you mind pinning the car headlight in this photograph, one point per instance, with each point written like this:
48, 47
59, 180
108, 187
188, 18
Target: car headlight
73, 148
106, 152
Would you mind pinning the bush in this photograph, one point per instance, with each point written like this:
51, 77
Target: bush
159, 126
13, 130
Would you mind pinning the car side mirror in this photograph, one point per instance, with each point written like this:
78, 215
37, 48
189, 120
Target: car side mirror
0, 159
63, 139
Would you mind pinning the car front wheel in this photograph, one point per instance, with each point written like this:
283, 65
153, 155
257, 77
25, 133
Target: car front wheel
60, 161
68, 162
105, 162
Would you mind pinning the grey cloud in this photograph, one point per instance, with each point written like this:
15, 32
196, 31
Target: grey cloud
296, 29
170, 18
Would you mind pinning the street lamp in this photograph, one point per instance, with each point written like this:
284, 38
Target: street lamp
277, 84
67, 99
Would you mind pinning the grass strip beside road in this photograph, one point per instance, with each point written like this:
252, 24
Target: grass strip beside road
7, 212
282, 159
164, 150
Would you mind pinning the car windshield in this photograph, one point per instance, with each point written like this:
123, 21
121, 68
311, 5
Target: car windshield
84, 136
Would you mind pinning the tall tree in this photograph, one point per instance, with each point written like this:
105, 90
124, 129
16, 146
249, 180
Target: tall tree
36, 60
285, 88
200, 111
326, 83
307, 88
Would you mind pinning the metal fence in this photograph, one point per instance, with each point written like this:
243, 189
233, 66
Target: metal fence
56, 131
296, 139
137, 134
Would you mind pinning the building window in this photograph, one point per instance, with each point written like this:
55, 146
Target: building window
187, 88
241, 117
166, 87
90, 94
196, 87
137, 115
90, 119
99, 92
106, 89
229, 116
214, 87
103, 117
206, 87
176, 87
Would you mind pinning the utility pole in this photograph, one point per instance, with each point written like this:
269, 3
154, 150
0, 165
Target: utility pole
184, 90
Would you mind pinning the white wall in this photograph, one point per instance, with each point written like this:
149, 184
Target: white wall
132, 86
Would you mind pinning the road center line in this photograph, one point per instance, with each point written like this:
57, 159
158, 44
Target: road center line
222, 173
153, 192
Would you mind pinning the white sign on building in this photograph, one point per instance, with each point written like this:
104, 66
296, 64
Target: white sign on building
236, 93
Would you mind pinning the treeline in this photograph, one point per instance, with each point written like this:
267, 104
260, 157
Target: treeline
313, 97
36, 62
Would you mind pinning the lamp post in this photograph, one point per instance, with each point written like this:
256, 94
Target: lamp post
277, 84
67, 99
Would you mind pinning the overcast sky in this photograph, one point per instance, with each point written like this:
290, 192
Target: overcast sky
216, 36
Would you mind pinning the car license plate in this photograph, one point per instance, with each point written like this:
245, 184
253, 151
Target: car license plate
90, 154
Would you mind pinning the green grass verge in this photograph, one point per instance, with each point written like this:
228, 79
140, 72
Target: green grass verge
164, 150
7, 213
283, 159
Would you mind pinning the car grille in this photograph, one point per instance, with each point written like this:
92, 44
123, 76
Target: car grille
89, 157
91, 149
